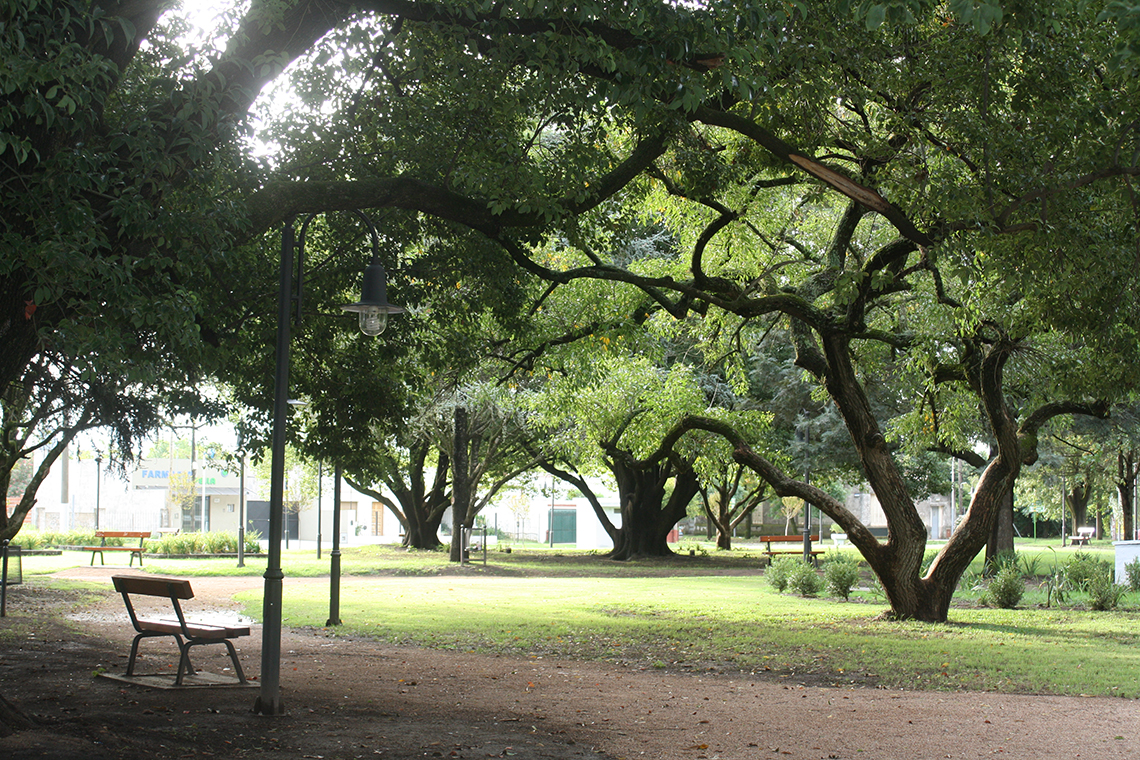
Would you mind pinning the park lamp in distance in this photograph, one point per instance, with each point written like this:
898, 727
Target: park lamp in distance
373, 306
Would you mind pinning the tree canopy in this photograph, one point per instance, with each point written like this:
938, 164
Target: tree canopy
936, 195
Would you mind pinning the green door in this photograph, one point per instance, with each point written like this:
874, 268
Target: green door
564, 529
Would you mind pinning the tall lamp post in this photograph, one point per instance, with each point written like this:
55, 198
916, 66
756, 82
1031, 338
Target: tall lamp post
241, 513
373, 310
334, 558
98, 485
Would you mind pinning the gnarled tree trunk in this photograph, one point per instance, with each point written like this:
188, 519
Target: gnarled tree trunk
646, 516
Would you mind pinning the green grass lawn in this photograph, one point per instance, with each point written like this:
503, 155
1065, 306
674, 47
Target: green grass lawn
711, 611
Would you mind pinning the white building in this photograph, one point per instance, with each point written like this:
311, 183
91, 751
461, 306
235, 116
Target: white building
68, 497
936, 512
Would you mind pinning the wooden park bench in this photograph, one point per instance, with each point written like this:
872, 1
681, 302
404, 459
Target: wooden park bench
1082, 537
186, 633
141, 535
769, 540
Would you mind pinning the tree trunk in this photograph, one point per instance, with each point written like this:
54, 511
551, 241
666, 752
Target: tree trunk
1001, 537
646, 517
721, 518
1126, 471
10, 524
423, 533
419, 509
1077, 499
898, 563
461, 484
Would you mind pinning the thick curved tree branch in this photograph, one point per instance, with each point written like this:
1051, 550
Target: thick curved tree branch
831, 177
1031, 425
277, 201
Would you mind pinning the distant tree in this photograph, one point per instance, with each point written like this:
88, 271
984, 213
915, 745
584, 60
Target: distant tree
728, 501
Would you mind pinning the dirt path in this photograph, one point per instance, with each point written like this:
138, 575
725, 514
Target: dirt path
349, 698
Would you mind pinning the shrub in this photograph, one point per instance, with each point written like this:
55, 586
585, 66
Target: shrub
1001, 561
971, 580
1006, 588
840, 574
780, 570
804, 580
1029, 564
213, 542
1082, 568
29, 539
69, 538
1104, 592
1133, 571
218, 542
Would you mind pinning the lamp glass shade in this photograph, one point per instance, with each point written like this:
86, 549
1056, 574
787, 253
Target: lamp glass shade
373, 320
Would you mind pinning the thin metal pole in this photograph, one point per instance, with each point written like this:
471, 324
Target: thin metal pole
320, 493
241, 514
193, 471
4, 578
807, 504
334, 556
98, 487
269, 700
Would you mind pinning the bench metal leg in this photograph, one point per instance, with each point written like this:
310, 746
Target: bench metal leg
149, 635
237, 665
185, 668
189, 671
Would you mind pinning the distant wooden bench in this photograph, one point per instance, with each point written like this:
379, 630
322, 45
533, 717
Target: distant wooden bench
1083, 536
769, 540
186, 633
135, 551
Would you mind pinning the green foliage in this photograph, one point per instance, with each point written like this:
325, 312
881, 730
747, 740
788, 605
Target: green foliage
1004, 560
1055, 585
1132, 569
927, 559
1104, 593
30, 539
40, 539
804, 580
971, 580
1029, 563
840, 573
780, 570
1006, 588
1082, 568
212, 542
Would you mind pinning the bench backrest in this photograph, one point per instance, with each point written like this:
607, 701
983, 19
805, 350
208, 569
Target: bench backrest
772, 539
153, 585
122, 534
1086, 531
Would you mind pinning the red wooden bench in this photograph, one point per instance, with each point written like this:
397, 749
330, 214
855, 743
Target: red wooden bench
185, 632
136, 551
